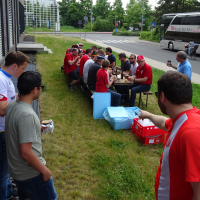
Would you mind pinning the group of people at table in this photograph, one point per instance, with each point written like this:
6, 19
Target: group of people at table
99, 72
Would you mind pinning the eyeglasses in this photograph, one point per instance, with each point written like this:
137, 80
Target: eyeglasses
42, 86
131, 58
157, 94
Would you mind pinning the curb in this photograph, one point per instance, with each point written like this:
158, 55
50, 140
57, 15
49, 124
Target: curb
59, 33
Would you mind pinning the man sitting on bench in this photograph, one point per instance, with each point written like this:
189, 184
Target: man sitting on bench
70, 68
92, 79
142, 79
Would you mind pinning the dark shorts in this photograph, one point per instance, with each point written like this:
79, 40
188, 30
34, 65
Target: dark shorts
74, 75
36, 189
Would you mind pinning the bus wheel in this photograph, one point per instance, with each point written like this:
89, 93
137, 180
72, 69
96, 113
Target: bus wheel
170, 46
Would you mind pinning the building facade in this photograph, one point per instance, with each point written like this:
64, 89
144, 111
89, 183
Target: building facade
12, 26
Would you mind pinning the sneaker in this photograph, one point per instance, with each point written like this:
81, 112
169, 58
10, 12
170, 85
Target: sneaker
74, 86
71, 88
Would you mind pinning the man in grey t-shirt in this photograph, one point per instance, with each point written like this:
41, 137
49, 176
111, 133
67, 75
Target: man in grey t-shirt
23, 142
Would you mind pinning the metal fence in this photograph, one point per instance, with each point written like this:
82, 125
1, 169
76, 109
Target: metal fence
41, 13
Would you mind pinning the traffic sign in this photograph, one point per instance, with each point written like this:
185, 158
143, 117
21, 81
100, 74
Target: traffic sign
140, 24
85, 18
116, 29
143, 19
153, 24
116, 23
119, 20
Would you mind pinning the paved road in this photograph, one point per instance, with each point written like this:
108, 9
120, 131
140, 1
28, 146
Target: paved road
132, 44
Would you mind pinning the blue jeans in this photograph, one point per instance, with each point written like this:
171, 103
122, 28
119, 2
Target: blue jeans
36, 189
115, 98
5, 186
136, 88
190, 49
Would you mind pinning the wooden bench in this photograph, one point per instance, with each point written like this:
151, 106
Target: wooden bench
147, 93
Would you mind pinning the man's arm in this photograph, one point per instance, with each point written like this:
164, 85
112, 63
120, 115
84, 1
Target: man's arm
3, 105
113, 78
196, 190
173, 66
112, 64
30, 157
140, 80
71, 62
158, 120
131, 78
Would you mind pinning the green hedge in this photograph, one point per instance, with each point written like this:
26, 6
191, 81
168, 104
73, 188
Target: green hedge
126, 33
146, 35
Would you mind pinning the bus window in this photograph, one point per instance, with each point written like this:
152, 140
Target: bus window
191, 20
177, 20
167, 19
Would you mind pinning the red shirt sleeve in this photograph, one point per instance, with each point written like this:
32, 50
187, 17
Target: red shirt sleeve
189, 151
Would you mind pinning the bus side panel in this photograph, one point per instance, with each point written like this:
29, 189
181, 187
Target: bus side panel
164, 43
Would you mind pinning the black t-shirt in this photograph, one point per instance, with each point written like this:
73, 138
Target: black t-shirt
125, 65
92, 74
112, 59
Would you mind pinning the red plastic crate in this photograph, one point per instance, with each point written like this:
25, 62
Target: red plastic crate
151, 140
146, 131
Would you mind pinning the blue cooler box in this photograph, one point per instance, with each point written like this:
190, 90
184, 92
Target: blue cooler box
120, 117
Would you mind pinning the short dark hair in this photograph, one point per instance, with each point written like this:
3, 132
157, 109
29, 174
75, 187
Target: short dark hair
176, 86
109, 49
16, 57
100, 48
94, 53
95, 47
27, 81
105, 63
74, 49
88, 51
122, 55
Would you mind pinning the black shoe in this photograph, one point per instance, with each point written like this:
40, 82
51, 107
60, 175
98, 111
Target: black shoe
71, 88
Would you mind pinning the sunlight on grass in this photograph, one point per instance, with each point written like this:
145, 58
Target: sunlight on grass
88, 159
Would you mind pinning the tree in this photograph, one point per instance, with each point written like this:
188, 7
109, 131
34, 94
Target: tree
175, 6
117, 11
101, 9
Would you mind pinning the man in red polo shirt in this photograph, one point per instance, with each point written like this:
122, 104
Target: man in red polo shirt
70, 68
83, 61
178, 175
142, 79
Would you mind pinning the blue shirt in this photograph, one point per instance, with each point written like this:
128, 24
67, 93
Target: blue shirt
112, 59
185, 68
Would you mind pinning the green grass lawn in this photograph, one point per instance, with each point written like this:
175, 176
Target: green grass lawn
88, 159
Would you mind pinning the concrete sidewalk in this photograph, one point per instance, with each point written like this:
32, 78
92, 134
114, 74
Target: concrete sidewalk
153, 63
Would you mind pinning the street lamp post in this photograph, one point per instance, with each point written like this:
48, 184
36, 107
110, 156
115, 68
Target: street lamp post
142, 16
91, 20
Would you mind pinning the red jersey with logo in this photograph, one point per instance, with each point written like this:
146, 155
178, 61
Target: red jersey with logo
180, 161
69, 68
7, 93
102, 80
82, 63
145, 71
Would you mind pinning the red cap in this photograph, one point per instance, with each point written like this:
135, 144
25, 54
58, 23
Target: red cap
140, 57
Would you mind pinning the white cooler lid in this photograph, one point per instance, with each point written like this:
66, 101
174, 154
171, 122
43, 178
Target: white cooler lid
117, 112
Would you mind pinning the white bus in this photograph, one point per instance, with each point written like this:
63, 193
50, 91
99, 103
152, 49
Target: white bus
178, 28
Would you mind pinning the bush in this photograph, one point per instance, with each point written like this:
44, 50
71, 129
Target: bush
146, 35
102, 25
126, 33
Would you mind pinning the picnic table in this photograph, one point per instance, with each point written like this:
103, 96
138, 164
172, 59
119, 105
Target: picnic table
126, 84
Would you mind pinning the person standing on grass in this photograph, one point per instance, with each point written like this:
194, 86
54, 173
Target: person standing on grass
142, 79
15, 64
178, 175
104, 83
184, 65
70, 68
23, 142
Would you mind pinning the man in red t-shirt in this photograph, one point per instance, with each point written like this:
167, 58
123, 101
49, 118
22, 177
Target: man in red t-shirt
70, 68
142, 79
83, 61
178, 175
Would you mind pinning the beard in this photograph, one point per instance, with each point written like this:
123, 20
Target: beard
162, 107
